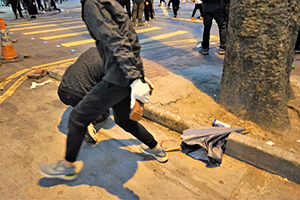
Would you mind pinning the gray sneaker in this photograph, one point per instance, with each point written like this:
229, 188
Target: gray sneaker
221, 51
159, 154
57, 170
204, 51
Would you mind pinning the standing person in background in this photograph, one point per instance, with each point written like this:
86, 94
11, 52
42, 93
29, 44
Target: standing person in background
152, 13
213, 9
53, 4
160, 2
297, 46
40, 6
31, 8
175, 5
169, 4
137, 12
123, 83
127, 4
16, 6
198, 6
147, 11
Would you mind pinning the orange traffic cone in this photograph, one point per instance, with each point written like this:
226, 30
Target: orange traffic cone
8, 51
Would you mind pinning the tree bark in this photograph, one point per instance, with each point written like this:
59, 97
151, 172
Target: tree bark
259, 54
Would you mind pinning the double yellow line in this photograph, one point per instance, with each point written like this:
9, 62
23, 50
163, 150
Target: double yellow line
17, 84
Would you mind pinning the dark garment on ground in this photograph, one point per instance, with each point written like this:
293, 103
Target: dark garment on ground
215, 10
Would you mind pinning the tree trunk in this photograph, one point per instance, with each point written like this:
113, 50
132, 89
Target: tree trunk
259, 55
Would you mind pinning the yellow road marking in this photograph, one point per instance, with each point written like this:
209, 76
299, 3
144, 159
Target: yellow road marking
88, 41
32, 27
39, 20
70, 44
166, 13
77, 22
11, 77
64, 35
17, 84
12, 89
75, 9
147, 29
36, 23
163, 36
53, 30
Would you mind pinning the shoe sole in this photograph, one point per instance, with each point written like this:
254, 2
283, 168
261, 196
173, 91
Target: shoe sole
90, 138
63, 177
159, 159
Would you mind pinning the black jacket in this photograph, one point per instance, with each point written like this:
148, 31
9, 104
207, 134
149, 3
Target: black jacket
116, 41
80, 77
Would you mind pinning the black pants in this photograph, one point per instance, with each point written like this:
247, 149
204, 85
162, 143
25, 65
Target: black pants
207, 21
15, 5
147, 10
73, 98
103, 96
175, 6
127, 4
297, 46
197, 7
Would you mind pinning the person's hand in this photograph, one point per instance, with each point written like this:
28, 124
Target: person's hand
139, 91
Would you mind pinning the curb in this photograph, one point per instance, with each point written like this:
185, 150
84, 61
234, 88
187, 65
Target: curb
241, 147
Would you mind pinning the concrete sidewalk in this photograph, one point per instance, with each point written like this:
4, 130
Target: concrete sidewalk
242, 147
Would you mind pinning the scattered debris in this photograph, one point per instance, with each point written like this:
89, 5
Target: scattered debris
58, 45
38, 73
14, 41
34, 84
293, 67
27, 56
1, 88
285, 180
220, 124
73, 50
45, 42
270, 143
298, 140
2, 78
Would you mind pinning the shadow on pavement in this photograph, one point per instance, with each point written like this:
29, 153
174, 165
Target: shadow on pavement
105, 165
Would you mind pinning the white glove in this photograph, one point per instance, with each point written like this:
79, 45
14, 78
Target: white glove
139, 91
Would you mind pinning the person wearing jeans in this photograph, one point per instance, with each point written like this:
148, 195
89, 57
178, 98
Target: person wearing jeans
137, 12
122, 84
